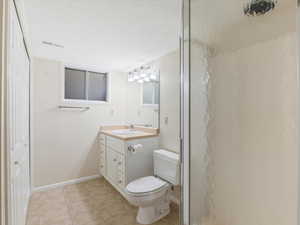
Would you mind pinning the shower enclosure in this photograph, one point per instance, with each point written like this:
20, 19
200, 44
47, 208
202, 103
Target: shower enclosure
239, 112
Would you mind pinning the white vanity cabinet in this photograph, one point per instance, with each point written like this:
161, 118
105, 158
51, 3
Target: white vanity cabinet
119, 165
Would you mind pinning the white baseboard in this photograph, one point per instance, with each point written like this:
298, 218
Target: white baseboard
61, 184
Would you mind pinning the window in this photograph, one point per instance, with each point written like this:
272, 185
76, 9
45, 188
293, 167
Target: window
150, 93
85, 85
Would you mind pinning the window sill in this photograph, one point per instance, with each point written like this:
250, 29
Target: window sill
85, 102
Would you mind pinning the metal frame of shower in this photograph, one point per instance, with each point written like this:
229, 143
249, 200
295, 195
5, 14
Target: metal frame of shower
185, 111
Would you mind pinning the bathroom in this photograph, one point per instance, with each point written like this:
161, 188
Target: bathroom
96, 129
174, 112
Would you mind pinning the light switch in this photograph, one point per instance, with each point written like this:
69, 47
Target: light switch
112, 112
166, 120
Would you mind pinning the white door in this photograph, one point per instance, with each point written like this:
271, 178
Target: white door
18, 123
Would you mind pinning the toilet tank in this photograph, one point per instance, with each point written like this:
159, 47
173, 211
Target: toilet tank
166, 165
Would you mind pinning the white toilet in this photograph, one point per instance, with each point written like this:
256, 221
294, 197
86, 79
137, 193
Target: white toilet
152, 194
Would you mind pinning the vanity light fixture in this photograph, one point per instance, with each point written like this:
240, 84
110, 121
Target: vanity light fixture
143, 74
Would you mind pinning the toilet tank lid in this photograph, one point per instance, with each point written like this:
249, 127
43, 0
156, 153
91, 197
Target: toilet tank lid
167, 154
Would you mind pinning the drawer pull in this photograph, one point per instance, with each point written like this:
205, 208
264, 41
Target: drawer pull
101, 166
119, 163
120, 182
115, 160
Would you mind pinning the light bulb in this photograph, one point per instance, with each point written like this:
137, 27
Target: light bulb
136, 75
146, 79
152, 76
140, 81
143, 72
130, 77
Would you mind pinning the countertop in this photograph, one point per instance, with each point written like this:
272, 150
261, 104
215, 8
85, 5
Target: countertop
146, 132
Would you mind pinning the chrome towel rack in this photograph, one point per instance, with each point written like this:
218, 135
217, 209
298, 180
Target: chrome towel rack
82, 108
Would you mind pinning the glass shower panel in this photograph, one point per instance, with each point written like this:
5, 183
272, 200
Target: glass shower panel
242, 111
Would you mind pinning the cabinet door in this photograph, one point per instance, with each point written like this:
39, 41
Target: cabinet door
120, 171
111, 165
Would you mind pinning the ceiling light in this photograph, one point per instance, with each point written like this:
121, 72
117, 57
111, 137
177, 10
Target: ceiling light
153, 76
130, 77
143, 74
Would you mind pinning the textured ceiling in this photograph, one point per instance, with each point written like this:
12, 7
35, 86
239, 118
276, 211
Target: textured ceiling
122, 34
223, 25
103, 34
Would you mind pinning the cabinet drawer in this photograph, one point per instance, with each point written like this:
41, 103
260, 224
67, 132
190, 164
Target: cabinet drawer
116, 144
102, 139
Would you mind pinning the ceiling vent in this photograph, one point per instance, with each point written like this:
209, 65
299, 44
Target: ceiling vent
52, 44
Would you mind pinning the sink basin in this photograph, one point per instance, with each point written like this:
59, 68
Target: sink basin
127, 132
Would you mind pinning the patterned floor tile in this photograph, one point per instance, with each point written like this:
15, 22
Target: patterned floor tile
94, 202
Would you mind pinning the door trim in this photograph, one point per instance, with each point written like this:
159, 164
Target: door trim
3, 169
185, 111
6, 105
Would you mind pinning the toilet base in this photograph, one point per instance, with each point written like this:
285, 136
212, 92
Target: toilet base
151, 214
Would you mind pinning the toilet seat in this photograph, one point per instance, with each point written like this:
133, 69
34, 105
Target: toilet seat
146, 186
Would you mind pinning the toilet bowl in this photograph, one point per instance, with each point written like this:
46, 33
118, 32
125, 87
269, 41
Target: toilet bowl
152, 193
152, 196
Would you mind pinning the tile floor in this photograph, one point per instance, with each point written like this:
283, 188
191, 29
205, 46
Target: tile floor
94, 202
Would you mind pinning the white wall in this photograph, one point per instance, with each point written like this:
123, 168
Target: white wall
66, 139
64, 142
168, 66
254, 134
